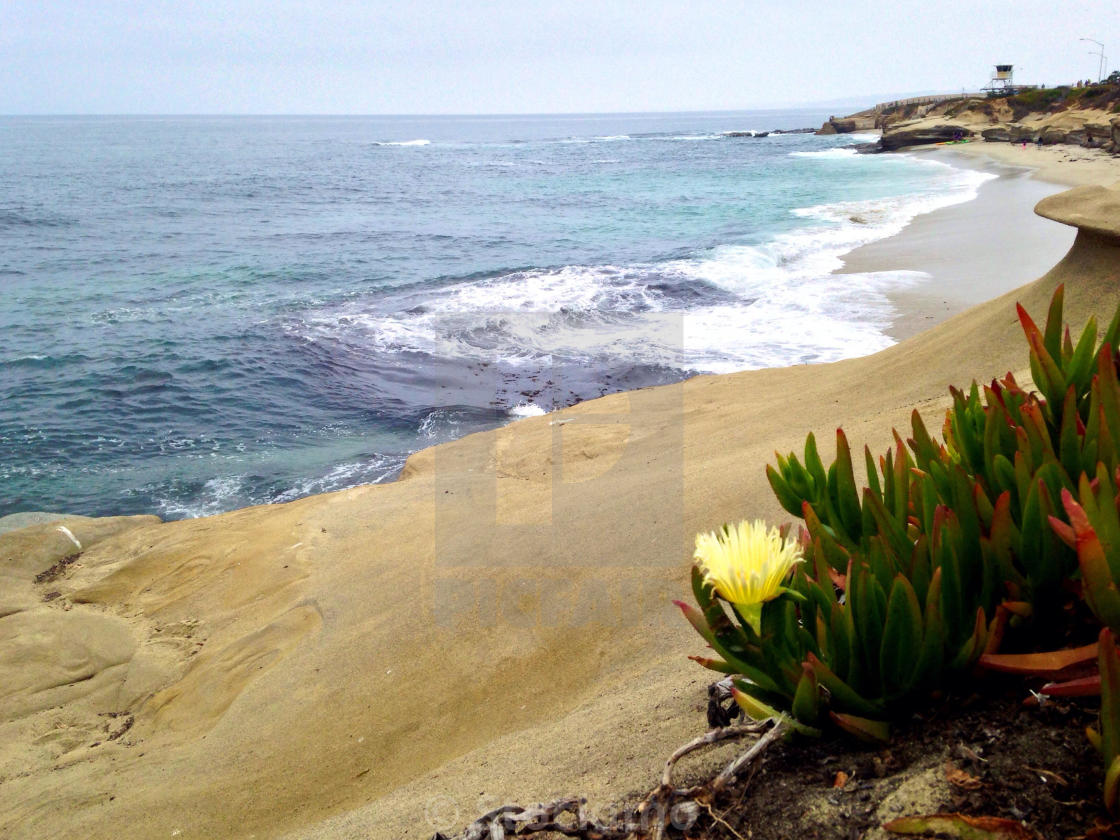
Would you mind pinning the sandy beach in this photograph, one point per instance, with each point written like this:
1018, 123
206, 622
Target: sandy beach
998, 238
1072, 166
392, 660
987, 231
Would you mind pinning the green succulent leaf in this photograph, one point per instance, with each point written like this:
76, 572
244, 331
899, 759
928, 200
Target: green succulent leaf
932, 655
714, 664
843, 695
787, 498
757, 710
1112, 787
865, 729
1053, 337
921, 444
902, 636
1109, 663
847, 497
1099, 587
1108, 390
813, 464
973, 647
1047, 375
872, 472
1069, 439
755, 674
1080, 366
807, 699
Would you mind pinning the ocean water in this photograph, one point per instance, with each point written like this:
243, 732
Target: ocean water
200, 314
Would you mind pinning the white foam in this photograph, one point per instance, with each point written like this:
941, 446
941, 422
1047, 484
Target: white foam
440, 425
527, 410
781, 310
609, 138
511, 306
827, 154
227, 492
216, 496
782, 304
815, 319
878, 218
419, 142
351, 474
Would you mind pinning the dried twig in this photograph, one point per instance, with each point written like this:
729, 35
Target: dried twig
713, 736
717, 818
665, 795
723, 779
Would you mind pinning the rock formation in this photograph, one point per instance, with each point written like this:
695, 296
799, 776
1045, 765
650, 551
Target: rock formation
922, 133
864, 121
1085, 117
1092, 210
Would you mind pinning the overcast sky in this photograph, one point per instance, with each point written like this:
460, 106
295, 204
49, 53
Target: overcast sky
517, 56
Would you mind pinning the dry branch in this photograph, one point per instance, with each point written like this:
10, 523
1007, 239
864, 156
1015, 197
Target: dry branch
711, 737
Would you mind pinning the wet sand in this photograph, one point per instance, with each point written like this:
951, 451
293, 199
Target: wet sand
969, 252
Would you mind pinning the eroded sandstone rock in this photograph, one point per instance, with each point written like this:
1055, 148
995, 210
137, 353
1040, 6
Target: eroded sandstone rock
918, 135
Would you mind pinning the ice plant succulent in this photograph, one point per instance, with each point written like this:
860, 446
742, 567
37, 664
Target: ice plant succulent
998, 477
746, 564
909, 579
1008, 525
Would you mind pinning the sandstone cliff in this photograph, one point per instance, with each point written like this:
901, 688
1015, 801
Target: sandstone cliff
1088, 117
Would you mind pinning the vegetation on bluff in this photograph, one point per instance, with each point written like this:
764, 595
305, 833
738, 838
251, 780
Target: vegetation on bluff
1104, 96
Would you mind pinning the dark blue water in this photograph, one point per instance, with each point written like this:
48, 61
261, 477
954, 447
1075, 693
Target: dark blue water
204, 313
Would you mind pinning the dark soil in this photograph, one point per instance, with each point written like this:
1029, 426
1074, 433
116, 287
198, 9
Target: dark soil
990, 756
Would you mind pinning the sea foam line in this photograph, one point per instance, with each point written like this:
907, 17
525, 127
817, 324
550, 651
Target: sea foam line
771, 304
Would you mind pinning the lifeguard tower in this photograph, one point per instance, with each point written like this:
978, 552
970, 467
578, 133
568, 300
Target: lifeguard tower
1002, 82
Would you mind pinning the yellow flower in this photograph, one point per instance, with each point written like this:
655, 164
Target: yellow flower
746, 564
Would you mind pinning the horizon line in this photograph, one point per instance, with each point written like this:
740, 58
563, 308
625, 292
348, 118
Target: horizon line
503, 114
838, 102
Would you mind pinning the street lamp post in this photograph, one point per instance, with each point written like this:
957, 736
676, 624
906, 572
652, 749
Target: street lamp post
1100, 70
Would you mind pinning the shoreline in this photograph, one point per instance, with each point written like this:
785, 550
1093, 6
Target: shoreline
979, 249
969, 252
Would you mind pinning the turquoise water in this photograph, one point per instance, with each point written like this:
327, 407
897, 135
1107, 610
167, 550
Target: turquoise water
205, 313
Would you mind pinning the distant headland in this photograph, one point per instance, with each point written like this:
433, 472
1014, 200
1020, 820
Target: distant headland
1085, 115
